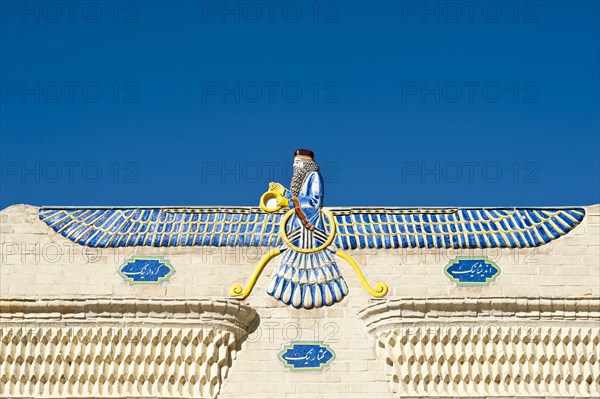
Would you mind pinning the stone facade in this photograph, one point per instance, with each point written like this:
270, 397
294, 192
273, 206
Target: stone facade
72, 326
489, 346
119, 347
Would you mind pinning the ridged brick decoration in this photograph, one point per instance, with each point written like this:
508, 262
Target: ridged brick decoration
489, 346
119, 348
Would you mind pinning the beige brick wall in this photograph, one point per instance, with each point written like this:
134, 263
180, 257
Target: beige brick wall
36, 262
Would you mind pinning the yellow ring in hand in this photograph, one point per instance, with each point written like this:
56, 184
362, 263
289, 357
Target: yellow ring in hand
266, 197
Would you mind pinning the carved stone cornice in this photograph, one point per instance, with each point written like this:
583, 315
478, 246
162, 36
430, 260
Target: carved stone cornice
383, 313
101, 347
487, 347
224, 311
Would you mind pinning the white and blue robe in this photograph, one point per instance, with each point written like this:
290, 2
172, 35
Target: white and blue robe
307, 280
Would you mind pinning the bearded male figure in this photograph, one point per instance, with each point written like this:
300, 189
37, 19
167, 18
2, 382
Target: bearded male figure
308, 279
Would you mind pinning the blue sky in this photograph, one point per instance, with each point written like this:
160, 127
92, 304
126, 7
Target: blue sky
404, 103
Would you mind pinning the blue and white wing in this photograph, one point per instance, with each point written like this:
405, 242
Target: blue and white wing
452, 228
164, 227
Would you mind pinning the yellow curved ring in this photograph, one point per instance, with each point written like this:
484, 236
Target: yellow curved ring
293, 247
263, 201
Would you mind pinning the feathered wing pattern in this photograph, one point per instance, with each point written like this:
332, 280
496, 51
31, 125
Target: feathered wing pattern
356, 228
452, 228
308, 280
312, 280
165, 227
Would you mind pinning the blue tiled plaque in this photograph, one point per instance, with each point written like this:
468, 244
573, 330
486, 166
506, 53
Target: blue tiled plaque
470, 271
306, 356
146, 270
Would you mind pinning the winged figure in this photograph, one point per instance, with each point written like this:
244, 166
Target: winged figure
308, 236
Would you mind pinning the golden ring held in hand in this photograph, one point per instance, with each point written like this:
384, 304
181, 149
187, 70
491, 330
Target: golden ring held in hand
268, 201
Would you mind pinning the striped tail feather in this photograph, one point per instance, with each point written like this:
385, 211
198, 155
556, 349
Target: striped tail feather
308, 280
